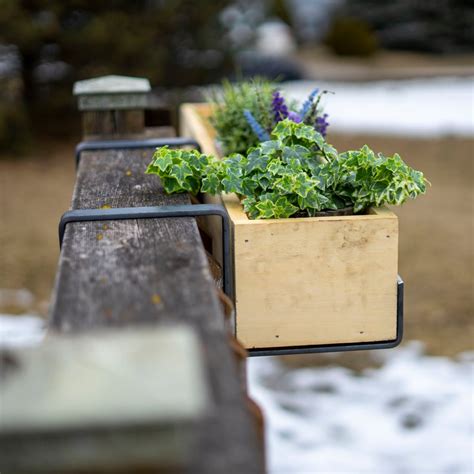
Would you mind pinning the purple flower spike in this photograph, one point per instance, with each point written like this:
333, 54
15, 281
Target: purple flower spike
279, 108
308, 103
294, 117
262, 135
321, 124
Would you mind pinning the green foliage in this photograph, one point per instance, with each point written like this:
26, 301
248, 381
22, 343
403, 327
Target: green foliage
294, 173
372, 180
180, 170
232, 128
351, 37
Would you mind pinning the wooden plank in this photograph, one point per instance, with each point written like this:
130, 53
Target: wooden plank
152, 271
307, 281
194, 123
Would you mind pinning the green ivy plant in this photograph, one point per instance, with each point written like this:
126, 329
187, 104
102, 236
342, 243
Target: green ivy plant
180, 170
296, 173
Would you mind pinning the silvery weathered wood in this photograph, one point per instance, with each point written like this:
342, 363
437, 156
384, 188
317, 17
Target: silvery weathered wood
135, 394
146, 273
112, 93
112, 105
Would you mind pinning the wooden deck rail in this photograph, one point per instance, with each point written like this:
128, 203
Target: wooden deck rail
149, 273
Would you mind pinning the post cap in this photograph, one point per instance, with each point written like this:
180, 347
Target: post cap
119, 397
112, 93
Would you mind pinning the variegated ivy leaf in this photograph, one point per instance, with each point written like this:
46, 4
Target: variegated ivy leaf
269, 147
232, 184
285, 184
310, 136
256, 163
249, 204
181, 171
193, 184
163, 161
283, 130
275, 167
211, 184
296, 153
171, 185
278, 208
302, 184
266, 209
249, 186
196, 160
329, 152
314, 201
284, 208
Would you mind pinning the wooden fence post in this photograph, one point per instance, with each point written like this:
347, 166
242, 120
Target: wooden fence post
112, 106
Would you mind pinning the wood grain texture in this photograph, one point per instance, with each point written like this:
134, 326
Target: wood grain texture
310, 281
307, 281
113, 123
152, 272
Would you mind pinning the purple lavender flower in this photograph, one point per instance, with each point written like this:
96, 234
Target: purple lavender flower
307, 103
321, 124
262, 135
279, 108
294, 117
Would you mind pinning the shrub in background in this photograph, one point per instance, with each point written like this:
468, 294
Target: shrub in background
351, 37
172, 43
14, 129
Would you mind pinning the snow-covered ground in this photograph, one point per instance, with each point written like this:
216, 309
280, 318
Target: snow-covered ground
413, 415
418, 107
21, 331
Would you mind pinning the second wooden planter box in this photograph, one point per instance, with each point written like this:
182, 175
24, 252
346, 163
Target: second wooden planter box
306, 282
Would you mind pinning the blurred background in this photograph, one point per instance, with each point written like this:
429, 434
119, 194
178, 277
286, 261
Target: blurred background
402, 76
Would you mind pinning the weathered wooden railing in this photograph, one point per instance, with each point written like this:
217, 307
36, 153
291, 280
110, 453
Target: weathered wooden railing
151, 273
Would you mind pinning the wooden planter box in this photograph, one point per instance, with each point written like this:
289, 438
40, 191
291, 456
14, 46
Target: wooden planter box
306, 282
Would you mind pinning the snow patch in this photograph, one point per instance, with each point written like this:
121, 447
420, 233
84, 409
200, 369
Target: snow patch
411, 415
417, 107
21, 331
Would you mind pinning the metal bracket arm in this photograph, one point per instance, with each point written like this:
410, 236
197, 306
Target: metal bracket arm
155, 212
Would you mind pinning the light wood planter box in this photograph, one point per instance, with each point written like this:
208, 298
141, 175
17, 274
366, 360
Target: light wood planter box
307, 281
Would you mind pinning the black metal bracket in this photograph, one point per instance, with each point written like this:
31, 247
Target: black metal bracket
195, 210
97, 145
358, 346
156, 212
